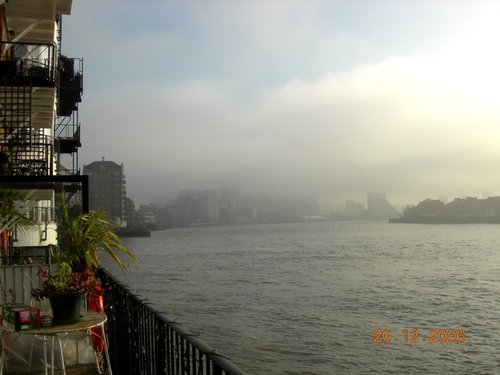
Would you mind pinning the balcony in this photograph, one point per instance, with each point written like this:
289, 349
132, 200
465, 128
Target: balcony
67, 129
23, 60
142, 340
27, 85
70, 85
26, 152
68, 137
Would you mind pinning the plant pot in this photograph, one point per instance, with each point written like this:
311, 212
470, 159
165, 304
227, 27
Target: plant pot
65, 308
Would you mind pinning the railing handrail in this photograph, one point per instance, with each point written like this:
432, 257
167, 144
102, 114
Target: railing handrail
46, 58
223, 364
30, 43
221, 360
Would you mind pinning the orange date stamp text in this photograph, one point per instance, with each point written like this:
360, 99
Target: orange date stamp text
415, 336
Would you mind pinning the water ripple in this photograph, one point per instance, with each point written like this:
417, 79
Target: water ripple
307, 298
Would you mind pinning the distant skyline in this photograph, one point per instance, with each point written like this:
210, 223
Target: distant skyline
332, 98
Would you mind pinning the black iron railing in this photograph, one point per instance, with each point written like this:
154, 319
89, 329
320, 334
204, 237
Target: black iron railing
27, 60
70, 85
145, 341
29, 152
68, 127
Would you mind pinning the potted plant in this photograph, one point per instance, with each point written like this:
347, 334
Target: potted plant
65, 290
84, 236
81, 237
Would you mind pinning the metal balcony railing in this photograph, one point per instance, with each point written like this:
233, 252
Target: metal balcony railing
16, 283
68, 127
145, 341
28, 60
27, 153
70, 85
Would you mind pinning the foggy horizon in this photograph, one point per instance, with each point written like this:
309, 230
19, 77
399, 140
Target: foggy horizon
327, 98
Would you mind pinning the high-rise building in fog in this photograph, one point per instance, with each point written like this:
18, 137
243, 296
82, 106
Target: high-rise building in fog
107, 189
209, 206
199, 206
228, 203
378, 207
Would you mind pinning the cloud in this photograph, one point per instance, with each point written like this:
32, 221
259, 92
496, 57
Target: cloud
281, 96
379, 127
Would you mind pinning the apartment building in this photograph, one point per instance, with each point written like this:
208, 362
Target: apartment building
40, 90
107, 189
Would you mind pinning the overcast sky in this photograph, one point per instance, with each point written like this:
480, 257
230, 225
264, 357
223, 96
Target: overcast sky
331, 97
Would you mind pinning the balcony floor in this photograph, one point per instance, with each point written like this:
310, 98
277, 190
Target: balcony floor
73, 370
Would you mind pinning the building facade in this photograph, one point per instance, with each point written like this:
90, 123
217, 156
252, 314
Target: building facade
378, 207
107, 189
198, 206
39, 128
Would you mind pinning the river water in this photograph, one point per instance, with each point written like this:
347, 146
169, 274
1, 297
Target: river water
308, 298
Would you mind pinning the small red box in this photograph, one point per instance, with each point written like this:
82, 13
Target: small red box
20, 318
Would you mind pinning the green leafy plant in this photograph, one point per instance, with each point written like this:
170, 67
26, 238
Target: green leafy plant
10, 216
66, 281
84, 236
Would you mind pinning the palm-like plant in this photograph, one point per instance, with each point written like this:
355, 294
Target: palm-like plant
83, 236
10, 216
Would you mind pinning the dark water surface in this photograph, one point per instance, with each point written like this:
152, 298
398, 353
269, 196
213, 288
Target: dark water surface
306, 298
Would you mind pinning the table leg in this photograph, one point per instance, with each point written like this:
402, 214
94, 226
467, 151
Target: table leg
62, 355
52, 344
106, 353
45, 355
2, 355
